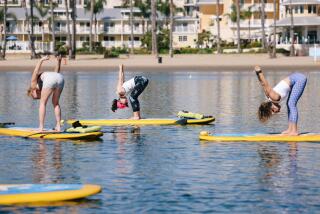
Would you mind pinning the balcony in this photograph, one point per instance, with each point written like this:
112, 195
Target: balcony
189, 3
184, 29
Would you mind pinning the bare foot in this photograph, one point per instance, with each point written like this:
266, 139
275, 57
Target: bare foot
285, 132
57, 129
293, 134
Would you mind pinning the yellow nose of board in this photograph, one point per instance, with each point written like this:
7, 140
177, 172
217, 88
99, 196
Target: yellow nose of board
204, 133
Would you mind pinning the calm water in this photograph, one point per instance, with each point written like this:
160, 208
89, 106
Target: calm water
166, 169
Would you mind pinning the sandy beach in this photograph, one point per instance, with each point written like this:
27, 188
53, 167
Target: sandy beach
226, 62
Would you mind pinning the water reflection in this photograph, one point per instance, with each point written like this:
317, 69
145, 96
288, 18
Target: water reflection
166, 169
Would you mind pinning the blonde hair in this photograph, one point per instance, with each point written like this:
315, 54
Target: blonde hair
265, 111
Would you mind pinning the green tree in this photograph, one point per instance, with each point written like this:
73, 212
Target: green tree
204, 38
43, 12
97, 8
4, 15
247, 15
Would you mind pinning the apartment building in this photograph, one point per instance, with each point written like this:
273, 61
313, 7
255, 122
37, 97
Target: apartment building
250, 27
306, 22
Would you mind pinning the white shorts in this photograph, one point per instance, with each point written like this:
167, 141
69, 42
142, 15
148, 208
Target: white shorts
52, 80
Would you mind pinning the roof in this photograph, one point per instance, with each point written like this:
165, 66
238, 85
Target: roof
82, 14
300, 2
299, 21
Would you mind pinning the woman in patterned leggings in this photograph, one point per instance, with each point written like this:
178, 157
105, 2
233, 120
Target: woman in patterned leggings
132, 89
293, 87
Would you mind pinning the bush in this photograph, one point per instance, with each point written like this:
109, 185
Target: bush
142, 51
255, 45
193, 51
283, 51
108, 53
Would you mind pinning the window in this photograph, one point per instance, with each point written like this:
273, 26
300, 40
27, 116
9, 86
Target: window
301, 9
312, 9
183, 38
296, 9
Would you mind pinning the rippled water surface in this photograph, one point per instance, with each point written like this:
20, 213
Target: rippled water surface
166, 169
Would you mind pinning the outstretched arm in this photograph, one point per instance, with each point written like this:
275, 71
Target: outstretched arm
36, 71
58, 66
269, 92
120, 89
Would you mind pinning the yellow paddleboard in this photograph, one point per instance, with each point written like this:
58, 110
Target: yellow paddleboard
310, 137
39, 193
32, 133
150, 122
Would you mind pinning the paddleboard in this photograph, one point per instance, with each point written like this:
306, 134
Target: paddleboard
149, 121
32, 133
37, 193
309, 137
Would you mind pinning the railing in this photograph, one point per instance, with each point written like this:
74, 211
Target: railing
189, 2
24, 46
184, 29
110, 44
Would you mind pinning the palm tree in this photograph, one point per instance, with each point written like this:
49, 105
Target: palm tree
238, 25
4, 19
33, 51
263, 14
131, 27
73, 17
66, 4
171, 29
145, 12
274, 52
52, 6
96, 9
29, 26
43, 12
92, 3
154, 28
247, 15
218, 26
291, 30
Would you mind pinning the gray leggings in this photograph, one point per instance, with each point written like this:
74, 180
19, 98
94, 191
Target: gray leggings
140, 84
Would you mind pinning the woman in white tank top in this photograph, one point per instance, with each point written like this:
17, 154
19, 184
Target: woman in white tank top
291, 87
42, 86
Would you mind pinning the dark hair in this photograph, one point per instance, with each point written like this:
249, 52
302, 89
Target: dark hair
114, 106
265, 111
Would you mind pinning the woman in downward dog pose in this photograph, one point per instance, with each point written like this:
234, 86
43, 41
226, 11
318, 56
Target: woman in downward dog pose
131, 90
45, 84
291, 86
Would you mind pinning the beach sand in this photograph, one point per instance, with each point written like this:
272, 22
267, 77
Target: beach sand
205, 62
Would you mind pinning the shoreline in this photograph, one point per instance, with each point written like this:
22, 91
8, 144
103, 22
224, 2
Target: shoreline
179, 63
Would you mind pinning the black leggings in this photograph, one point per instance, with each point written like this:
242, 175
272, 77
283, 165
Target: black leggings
140, 84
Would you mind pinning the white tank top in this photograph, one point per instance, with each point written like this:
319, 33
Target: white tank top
283, 89
128, 85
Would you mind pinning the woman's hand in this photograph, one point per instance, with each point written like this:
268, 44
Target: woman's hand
257, 69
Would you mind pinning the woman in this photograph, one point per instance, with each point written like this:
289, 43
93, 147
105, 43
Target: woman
45, 84
132, 88
293, 87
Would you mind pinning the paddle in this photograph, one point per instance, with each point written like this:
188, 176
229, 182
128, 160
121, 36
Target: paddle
43, 134
3, 125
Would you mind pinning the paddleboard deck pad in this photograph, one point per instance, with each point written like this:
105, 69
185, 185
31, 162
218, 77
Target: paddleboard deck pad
149, 121
37, 193
308, 137
33, 133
